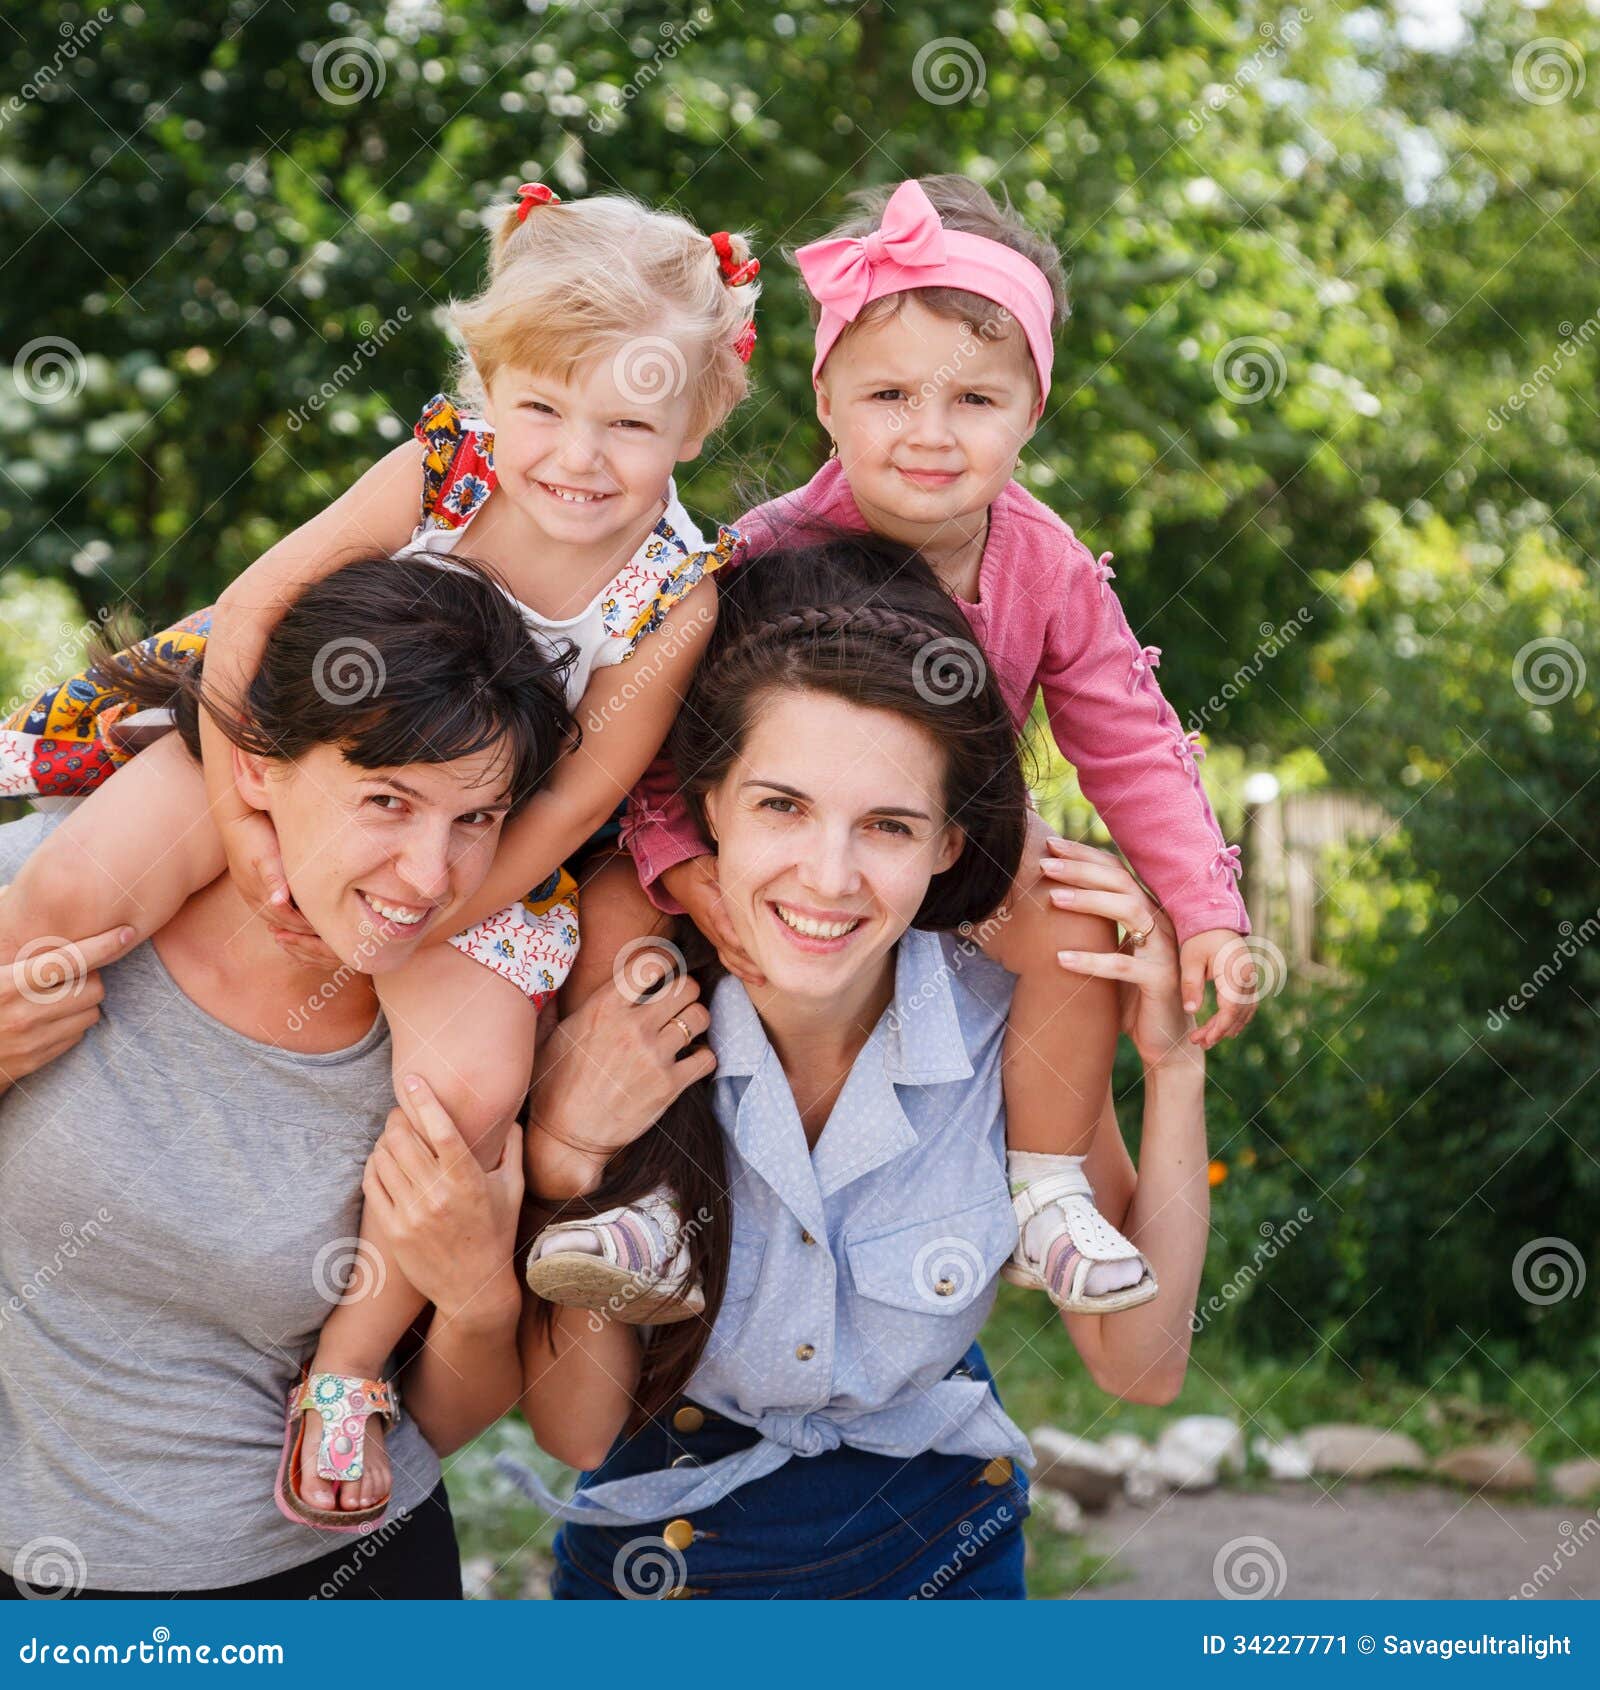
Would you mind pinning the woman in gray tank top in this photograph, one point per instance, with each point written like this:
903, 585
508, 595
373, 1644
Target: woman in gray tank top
183, 1186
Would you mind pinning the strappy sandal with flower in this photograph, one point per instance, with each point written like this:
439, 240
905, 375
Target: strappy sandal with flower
344, 1402
1073, 1239
631, 1263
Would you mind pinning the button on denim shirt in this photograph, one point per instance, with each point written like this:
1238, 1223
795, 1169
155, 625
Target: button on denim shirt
861, 1271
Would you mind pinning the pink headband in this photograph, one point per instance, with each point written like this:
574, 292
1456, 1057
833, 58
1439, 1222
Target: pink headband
911, 248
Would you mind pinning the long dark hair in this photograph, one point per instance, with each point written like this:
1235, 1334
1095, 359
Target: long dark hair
866, 621
392, 659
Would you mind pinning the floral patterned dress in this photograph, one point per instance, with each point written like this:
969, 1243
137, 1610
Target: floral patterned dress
60, 743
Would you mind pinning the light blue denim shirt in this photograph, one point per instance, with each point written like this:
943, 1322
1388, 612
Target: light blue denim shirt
860, 1271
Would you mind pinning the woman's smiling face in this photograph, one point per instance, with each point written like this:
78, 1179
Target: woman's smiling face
829, 825
376, 857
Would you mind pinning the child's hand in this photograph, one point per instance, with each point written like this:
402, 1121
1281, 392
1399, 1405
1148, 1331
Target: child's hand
1219, 954
694, 885
256, 866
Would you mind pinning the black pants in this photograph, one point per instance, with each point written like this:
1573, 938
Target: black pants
414, 1557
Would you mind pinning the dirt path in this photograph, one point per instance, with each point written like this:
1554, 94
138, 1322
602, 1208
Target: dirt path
1350, 1541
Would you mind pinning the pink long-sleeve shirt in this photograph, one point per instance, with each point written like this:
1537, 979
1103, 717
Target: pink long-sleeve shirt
1046, 619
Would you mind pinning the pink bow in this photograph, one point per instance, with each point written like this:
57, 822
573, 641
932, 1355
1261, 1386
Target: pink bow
1227, 863
839, 272
1189, 750
1103, 572
1145, 659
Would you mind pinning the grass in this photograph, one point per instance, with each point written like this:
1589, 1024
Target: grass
1467, 1398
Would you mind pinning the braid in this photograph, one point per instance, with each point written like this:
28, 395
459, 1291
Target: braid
896, 628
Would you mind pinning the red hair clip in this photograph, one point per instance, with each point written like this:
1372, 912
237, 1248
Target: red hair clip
746, 343
532, 194
733, 272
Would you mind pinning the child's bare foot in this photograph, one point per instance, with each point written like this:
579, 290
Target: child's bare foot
356, 1424
345, 1494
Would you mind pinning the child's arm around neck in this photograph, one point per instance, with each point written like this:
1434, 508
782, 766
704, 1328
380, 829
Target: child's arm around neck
377, 515
625, 714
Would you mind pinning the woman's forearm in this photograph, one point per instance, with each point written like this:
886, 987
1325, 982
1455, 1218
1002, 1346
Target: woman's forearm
468, 1373
1142, 1353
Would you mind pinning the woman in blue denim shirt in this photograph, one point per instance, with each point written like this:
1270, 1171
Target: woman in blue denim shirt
828, 1427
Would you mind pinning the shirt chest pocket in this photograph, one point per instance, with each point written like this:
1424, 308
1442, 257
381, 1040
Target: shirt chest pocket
923, 1287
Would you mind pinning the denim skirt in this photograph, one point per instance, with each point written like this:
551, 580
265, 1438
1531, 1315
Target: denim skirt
841, 1524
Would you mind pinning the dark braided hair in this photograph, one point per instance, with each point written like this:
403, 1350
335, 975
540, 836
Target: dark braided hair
865, 621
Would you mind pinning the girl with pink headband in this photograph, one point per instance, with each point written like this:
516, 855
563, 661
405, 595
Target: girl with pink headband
934, 313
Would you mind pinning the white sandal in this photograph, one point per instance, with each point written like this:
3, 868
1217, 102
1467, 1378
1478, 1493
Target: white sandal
1082, 1239
639, 1274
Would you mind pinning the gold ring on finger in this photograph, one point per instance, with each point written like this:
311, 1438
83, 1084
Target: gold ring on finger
1137, 939
683, 1027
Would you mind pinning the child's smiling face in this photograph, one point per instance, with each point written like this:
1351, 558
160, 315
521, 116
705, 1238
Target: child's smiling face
587, 460
928, 414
